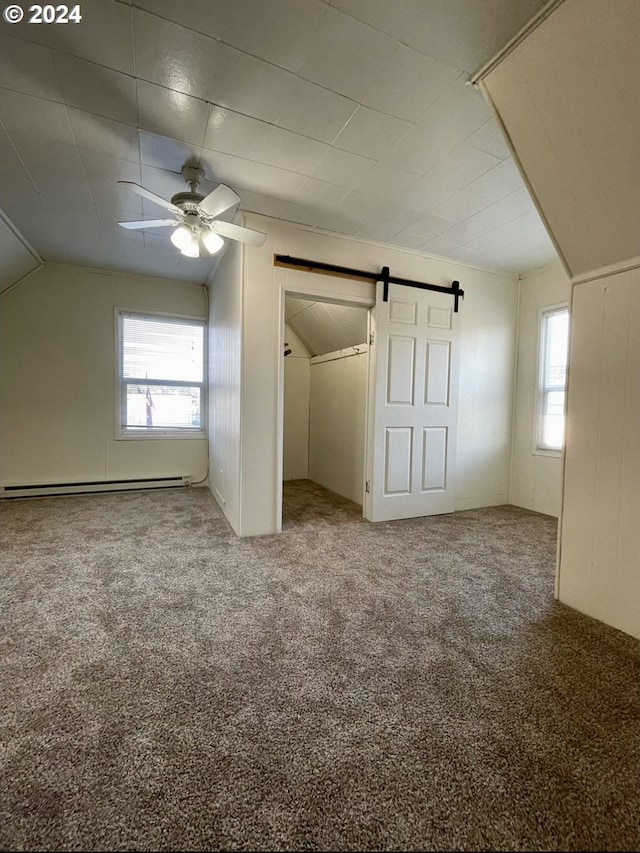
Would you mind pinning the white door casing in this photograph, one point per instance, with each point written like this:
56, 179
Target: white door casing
413, 395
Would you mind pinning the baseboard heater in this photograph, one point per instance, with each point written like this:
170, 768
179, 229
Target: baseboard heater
91, 487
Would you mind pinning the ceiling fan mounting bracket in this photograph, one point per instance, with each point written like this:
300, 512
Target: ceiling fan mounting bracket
192, 175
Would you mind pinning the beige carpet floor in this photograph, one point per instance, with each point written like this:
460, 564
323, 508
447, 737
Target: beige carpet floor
410, 685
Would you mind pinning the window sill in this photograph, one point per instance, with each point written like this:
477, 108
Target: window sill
154, 436
553, 454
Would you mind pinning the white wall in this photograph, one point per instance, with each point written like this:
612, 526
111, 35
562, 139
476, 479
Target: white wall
487, 359
485, 407
337, 422
57, 394
599, 571
225, 356
536, 477
297, 387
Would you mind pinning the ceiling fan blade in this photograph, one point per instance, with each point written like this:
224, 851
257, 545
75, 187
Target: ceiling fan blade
149, 195
238, 232
219, 200
148, 223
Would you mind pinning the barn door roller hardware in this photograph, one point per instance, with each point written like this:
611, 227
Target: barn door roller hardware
362, 275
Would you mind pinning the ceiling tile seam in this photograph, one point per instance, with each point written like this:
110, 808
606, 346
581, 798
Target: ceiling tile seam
177, 23
213, 105
73, 136
432, 236
61, 103
299, 77
400, 42
212, 90
496, 233
418, 124
311, 41
135, 74
22, 163
54, 50
454, 83
490, 230
480, 210
355, 108
221, 40
419, 119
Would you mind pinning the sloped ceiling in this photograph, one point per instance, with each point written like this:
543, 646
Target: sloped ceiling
325, 327
18, 258
351, 116
569, 97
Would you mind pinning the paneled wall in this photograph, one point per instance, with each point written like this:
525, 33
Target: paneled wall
57, 394
337, 424
599, 572
536, 478
225, 359
297, 387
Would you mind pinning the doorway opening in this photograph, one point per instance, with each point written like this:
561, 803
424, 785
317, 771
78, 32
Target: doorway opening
323, 402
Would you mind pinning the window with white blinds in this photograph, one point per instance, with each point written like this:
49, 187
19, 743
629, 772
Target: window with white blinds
554, 341
161, 372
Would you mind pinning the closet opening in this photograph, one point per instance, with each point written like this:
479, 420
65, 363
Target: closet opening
325, 368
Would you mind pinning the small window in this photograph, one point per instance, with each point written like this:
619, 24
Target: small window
554, 340
161, 377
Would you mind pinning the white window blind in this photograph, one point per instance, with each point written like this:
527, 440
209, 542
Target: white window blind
162, 376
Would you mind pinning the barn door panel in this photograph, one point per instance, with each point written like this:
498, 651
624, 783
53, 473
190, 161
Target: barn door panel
412, 405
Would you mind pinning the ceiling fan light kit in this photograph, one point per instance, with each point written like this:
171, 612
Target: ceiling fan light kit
196, 223
182, 236
212, 242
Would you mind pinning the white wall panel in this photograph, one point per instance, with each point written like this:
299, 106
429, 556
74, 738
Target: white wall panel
225, 357
297, 390
337, 424
599, 571
536, 478
57, 394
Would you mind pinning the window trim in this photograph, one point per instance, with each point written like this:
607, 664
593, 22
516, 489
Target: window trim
123, 433
538, 448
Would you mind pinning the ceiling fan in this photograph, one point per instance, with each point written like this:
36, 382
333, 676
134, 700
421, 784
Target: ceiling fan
196, 223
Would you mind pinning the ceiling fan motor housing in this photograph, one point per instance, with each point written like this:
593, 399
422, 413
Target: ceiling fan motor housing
187, 201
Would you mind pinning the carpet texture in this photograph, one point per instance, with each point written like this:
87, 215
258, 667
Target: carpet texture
408, 685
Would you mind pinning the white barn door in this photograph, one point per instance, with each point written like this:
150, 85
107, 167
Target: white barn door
412, 416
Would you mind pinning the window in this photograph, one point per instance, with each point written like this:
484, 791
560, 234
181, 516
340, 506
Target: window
161, 376
554, 339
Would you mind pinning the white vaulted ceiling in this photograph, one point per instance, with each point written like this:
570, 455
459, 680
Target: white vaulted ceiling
324, 326
352, 117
